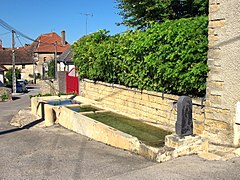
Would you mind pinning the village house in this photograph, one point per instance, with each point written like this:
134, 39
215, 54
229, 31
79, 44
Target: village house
34, 58
23, 59
65, 61
50, 47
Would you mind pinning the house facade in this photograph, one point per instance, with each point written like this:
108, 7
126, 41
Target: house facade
23, 59
34, 58
65, 62
50, 47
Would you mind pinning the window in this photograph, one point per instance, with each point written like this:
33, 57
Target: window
23, 66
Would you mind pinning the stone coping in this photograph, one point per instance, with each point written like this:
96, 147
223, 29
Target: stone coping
196, 100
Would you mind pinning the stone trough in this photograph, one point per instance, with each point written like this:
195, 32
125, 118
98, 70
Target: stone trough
79, 123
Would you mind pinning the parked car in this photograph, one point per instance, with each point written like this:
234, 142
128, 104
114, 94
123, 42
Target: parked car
21, 86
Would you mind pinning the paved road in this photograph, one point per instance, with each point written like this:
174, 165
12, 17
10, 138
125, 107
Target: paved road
56, 153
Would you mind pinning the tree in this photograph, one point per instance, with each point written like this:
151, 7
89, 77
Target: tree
141, 13
51, 69
9, 75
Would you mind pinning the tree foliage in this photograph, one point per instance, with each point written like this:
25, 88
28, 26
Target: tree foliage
51, 69
141, 13
9, 75
169, 57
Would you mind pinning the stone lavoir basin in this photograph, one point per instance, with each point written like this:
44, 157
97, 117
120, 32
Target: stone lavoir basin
149, 135
93, 120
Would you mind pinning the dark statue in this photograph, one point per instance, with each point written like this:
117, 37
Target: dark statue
184, 124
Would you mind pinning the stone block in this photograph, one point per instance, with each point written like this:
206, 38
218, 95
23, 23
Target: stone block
198, 127
217, 124
214, 54
176, 141
214, 8
216, 85
176, 146
217, 23
217, 116
199, 117
215, 100
214, 62
211, 31
213, 37
218, 136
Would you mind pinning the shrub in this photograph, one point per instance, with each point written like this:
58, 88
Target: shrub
169, 57
9, 75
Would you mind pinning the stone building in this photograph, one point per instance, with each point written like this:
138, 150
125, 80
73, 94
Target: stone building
223, 83
23, 59
30, 59
49, 46
65, 61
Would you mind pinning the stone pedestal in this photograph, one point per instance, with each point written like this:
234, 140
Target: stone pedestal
176, 146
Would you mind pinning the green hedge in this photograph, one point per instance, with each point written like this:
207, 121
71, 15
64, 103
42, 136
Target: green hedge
169, 57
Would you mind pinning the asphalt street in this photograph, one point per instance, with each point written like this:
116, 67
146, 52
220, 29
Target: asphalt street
57, 153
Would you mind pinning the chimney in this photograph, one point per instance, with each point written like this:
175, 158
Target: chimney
63, 38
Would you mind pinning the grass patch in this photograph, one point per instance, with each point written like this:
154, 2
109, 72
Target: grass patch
150, 135
84, 109
88, 109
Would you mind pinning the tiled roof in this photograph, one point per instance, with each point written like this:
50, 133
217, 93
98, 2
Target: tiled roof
23, 55
47, 41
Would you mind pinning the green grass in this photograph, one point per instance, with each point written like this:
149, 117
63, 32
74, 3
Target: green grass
150, 135
84, 109
88, 109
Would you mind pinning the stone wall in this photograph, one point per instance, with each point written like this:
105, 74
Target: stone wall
223, 78
48, 87
154, 107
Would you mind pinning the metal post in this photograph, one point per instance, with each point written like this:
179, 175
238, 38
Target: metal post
85, 14
34, 75
13, 64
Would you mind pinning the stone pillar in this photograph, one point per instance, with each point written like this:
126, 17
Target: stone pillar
62, 81
48, 115
223, 82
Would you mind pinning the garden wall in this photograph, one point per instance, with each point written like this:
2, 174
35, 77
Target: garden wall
154, 107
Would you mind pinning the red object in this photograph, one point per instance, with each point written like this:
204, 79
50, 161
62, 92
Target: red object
46, 43
72, 82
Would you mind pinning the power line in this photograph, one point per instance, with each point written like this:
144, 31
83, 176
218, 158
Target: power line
11, 29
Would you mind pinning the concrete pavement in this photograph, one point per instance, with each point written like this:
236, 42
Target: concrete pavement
57, 153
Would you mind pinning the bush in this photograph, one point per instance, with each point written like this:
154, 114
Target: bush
169, 57
9, 75
51, 69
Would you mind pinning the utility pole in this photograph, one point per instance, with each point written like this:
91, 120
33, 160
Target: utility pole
13, 64
55, 60
86, 14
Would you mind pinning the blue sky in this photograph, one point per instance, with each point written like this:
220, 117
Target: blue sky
36, 17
